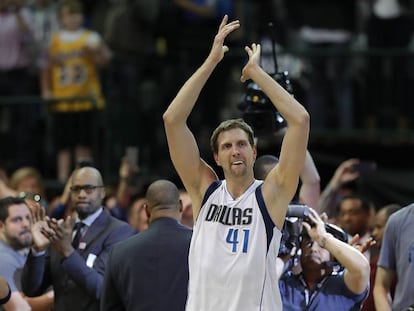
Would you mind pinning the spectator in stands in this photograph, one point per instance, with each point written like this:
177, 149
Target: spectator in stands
75, 262
27, 183
28, 179
319, 286
355, 218
15, 241
381, 219
341, 184
396, 261
137, 216
74, 56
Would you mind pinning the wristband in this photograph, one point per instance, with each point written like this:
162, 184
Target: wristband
3, 300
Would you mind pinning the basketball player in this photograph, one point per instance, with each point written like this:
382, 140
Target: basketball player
237, 220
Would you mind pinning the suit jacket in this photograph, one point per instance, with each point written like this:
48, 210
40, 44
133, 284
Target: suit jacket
77, 280
150, 270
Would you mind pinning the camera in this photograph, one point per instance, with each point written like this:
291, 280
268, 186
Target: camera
292, 228
259, 112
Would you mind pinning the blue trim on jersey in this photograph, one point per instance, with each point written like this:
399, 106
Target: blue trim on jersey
214, 185
269, 224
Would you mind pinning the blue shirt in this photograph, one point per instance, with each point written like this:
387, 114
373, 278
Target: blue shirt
11, 265
331, 293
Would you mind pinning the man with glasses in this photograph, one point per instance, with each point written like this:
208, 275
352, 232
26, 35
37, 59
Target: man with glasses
71, 254
320, 286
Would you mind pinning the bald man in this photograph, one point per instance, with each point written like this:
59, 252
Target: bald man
74, 269
150, 270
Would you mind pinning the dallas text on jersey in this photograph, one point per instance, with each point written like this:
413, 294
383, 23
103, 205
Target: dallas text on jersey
229, 215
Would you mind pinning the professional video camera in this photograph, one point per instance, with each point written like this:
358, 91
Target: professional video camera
258, 110
292, 228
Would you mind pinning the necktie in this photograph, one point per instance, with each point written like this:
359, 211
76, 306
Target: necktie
78, 234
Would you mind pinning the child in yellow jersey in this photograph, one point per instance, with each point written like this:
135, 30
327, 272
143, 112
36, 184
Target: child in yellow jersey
74, 56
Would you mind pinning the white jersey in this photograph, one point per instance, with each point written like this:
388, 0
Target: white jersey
233, 253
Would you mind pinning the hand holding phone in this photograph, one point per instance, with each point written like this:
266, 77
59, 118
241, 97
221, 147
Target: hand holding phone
365, 166
132, 155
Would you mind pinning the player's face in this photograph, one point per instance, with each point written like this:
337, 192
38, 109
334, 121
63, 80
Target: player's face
15, 230
235, 154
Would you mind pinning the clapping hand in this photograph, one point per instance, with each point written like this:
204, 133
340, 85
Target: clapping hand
219, 48
254, 59
59, 232
37, 224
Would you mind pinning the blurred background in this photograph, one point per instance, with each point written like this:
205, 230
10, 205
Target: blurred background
349, 62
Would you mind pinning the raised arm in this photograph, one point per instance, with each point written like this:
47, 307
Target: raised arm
310, 190
344, 173
281, 183
357, 269
195, 174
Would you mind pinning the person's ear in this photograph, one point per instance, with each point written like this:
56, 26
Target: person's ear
254, 152
147, 210
2, 230
181, 208
103, 193
215, 154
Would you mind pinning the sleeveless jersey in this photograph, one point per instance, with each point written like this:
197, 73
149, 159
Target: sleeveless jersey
75, 75
233, 253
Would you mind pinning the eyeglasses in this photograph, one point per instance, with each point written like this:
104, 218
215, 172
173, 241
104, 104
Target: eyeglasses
87, 188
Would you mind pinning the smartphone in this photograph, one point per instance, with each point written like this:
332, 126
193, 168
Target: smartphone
365, 166
132, 155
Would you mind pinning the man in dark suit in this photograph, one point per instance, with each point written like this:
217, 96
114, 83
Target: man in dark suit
75, 271
150, 270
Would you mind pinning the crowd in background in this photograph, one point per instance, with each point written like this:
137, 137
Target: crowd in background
344, 75
336, 61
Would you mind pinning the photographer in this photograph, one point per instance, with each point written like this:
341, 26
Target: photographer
319, 286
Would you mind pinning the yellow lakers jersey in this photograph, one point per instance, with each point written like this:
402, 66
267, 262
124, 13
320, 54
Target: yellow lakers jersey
74, 74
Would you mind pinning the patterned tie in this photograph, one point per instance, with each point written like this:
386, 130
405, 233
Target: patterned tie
78, 234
